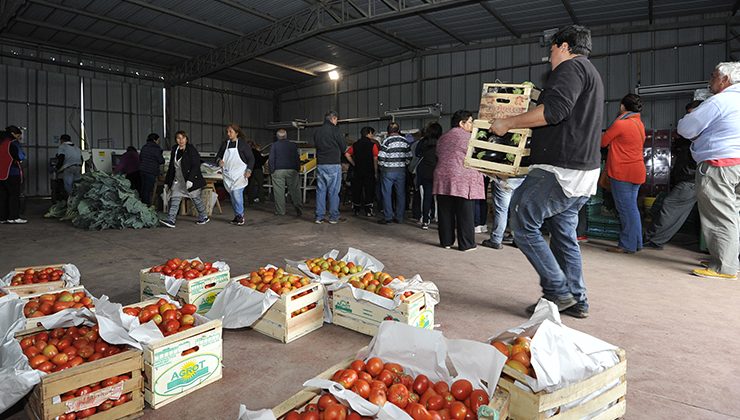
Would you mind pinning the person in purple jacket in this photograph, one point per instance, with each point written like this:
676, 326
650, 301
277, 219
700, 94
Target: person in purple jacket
455, 186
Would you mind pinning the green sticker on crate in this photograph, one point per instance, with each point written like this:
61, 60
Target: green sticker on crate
186, 374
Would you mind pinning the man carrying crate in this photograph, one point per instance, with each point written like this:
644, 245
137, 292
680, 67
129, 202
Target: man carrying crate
564, 169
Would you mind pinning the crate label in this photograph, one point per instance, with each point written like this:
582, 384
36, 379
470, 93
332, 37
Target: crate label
96, 398
491, 109
186, 374
205, 301
424, 320
147, 291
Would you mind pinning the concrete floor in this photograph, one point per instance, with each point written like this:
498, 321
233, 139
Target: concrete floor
679, 331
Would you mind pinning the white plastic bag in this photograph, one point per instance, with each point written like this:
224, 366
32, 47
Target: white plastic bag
239, 306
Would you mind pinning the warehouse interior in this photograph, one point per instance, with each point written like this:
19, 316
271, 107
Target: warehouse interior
109, 72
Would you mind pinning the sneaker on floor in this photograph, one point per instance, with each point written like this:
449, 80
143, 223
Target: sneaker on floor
334, 222
704, 262
711, 274
508, 239
490, 244
576, 311
203, 222
619, 250
477, 229
652, 245
235, 220
240, 221
167, 223
318, 221
481, 229
17, 221
561, 303
468, 249
2, 222
425, 226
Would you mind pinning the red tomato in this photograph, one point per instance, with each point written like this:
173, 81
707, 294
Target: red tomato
420, 385
325, 400
461, 389
358, 365
394, 367
188, 309
441, 387
449, 399
417, 412
374, 366
310, 415
171, 326
458, 411
335, 412
478, 398
386, 376
311, 407
398, 395
75, 361
377, 396
86, 413
83, 391
348, 378
435, 402
365, 376
361, 388
122, 400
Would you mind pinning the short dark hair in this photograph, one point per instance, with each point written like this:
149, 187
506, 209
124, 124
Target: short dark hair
433, 130
365, 131
65, 137
182, 133
330, 114
393, 127
12, 129
152, 137
693, 104
632, 102
459, 115
578, 38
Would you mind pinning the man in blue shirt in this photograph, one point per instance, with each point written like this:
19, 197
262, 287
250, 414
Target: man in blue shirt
714, 128
284, 163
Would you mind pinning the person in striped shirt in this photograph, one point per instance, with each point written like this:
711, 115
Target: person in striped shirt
394, 156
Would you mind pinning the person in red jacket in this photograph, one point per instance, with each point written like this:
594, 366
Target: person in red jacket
626, 169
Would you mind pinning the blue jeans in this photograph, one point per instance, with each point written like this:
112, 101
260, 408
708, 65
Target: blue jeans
625, 200
237, 201
540, 201
427, 199
502, 191
328, 184
390, 179
71, 174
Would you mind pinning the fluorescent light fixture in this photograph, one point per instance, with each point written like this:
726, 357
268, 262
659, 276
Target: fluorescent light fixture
334, 75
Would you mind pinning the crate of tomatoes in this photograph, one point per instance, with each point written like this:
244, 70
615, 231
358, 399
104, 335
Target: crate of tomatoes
187, 280
298, 309
25, 281
574, 376
403, 375
375, 296
41, 307
183, 354
85, 375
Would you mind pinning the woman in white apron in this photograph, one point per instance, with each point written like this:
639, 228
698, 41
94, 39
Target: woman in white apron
184, 180
236, 160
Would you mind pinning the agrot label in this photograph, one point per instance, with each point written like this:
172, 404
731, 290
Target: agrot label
205, 301
186, 374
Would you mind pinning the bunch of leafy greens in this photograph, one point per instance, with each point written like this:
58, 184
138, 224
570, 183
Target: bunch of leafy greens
102, 201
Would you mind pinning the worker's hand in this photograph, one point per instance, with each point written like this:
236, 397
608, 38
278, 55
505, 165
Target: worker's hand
221, 163
499, 126
247, 174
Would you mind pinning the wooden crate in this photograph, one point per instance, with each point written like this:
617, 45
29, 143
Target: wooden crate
495, 168
499, 403
36, 288
200, 291
170, 375
365, 317
33, 325
495, 105
41, 405
279, 323
528, 405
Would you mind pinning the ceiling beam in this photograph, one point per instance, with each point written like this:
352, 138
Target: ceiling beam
392, 38
571, 12
165, 11
438, 26
9, 9
500, 19
119, 22
290, 30
286, 66
101, 37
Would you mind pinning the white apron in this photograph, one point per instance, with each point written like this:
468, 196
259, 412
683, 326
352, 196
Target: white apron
234, 169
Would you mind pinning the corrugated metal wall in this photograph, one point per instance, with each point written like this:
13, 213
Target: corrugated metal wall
454, 79
204, 108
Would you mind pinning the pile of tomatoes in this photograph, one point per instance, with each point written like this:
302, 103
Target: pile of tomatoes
169, 318
64, 348
381, 383
104, 406
276, 279
326, 408
37, 275
518, 355
51, 303
184, 269
337, 267
377, 282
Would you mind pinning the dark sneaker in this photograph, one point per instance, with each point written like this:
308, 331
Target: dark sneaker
490, 244
561, 303
651, 244
203, 222
508, 239
425, 226
576, 311
240, 221
167, 223
235, 220
318, 221
383, 222
468, 249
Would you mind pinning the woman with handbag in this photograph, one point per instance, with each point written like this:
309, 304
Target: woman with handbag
184, 180
625, 167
